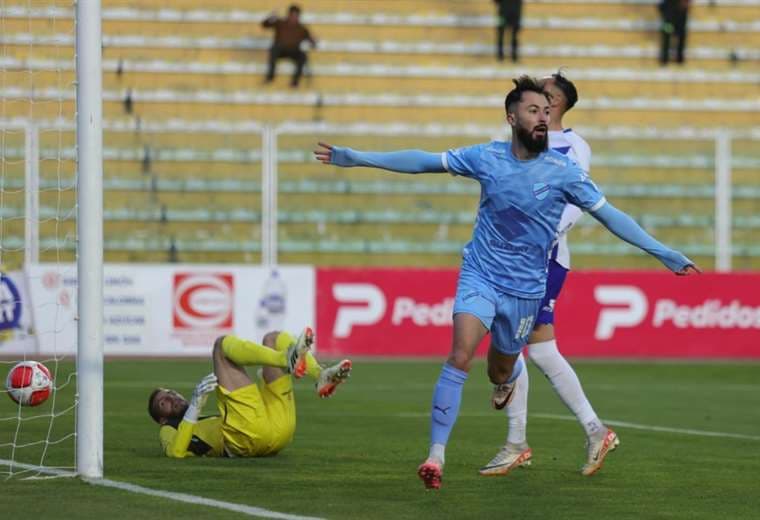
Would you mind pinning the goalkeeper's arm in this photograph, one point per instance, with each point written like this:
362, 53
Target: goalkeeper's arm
404, 161
177, 445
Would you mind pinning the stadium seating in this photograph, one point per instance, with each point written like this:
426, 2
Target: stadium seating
183, 99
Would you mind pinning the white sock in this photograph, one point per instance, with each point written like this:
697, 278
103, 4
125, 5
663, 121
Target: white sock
437, 452
565, 382
517, 410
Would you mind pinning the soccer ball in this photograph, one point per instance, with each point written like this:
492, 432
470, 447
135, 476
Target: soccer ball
29, 383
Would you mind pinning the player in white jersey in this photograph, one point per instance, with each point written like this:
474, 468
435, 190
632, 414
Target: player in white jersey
542, 343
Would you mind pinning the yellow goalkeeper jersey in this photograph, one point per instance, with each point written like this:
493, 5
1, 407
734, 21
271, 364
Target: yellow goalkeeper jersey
203, 438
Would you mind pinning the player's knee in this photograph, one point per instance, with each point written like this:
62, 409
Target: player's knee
270, 338
541, 332
218, 350
460, 360
543, 353
548, 359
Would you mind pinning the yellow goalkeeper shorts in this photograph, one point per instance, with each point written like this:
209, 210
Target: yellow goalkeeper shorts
258, 419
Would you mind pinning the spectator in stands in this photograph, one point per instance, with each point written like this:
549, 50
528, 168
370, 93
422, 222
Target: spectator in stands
674, 17
510, 12
289, 34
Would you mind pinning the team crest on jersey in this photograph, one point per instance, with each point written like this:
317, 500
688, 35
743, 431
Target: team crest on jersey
541, 190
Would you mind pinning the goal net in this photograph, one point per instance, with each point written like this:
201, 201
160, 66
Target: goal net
40, 243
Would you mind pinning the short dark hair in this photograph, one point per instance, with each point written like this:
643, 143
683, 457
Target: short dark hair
294, 8
151, 409
524, 83
567, 87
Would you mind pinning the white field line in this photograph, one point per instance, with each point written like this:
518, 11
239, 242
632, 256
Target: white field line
179, 497
623, 424
664, 429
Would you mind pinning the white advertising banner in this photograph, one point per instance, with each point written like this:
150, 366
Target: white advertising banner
173, 310
16, 332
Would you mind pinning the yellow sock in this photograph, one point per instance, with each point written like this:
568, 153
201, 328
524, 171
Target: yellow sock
244, 352
285, 340
313, 368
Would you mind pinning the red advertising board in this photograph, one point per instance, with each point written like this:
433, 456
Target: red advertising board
657, 314
407, 312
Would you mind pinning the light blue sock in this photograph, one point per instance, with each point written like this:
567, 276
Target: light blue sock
447, 397
519, 367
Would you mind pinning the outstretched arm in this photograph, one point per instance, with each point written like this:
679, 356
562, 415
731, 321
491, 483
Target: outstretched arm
404, 161
623, 226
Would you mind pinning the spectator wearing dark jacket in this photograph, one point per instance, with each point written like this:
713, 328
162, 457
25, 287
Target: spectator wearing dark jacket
675, 14
509, 13
289, 34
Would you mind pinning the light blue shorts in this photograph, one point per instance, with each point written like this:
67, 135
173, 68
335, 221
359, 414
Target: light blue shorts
509, 318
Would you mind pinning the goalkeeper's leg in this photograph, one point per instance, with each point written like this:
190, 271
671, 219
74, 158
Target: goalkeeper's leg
279, 351
309, 365
327, 378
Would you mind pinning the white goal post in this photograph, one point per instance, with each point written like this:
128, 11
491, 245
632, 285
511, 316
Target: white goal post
89, 415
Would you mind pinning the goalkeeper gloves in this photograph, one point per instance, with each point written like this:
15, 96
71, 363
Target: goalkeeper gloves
207, 385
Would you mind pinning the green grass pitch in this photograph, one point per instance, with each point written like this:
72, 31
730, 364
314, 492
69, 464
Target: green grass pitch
355, 455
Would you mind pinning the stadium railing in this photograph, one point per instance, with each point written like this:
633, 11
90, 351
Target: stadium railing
665, 178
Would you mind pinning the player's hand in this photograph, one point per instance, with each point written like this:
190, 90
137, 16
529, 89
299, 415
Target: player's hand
337, 155
323, 153
207, 385
689, 269
679, 263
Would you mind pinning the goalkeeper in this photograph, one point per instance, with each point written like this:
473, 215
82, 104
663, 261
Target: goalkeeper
256, 418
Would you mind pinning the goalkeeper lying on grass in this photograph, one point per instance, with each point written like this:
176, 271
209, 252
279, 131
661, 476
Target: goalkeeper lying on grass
257, 418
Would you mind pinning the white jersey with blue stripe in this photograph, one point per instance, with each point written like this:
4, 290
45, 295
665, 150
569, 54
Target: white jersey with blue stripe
521, 204
570, 144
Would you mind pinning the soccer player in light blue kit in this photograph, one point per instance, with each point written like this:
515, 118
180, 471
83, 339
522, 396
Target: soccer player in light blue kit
524, 189
542, 345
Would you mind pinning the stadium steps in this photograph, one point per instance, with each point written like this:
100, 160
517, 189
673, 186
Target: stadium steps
610, 8
536, 31
480, 15
377, 78
421, 52
273, 105
365, 195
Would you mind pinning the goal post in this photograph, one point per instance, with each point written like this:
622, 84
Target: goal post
89, 415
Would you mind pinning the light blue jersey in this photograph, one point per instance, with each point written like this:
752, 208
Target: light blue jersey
521, 203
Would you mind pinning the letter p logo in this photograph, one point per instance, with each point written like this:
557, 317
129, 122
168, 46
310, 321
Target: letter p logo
611, 318
349, 315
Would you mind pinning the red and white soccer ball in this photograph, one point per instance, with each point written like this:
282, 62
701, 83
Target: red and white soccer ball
29, 383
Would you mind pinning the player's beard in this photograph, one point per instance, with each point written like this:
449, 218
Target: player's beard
533, 145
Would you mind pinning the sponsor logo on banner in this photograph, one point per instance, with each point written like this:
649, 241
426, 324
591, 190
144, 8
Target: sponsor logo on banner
405, 312
203, 306
360, 304
623, 306
709, 314
168, 310
656, 314
17, 335
10, 304
365, 304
